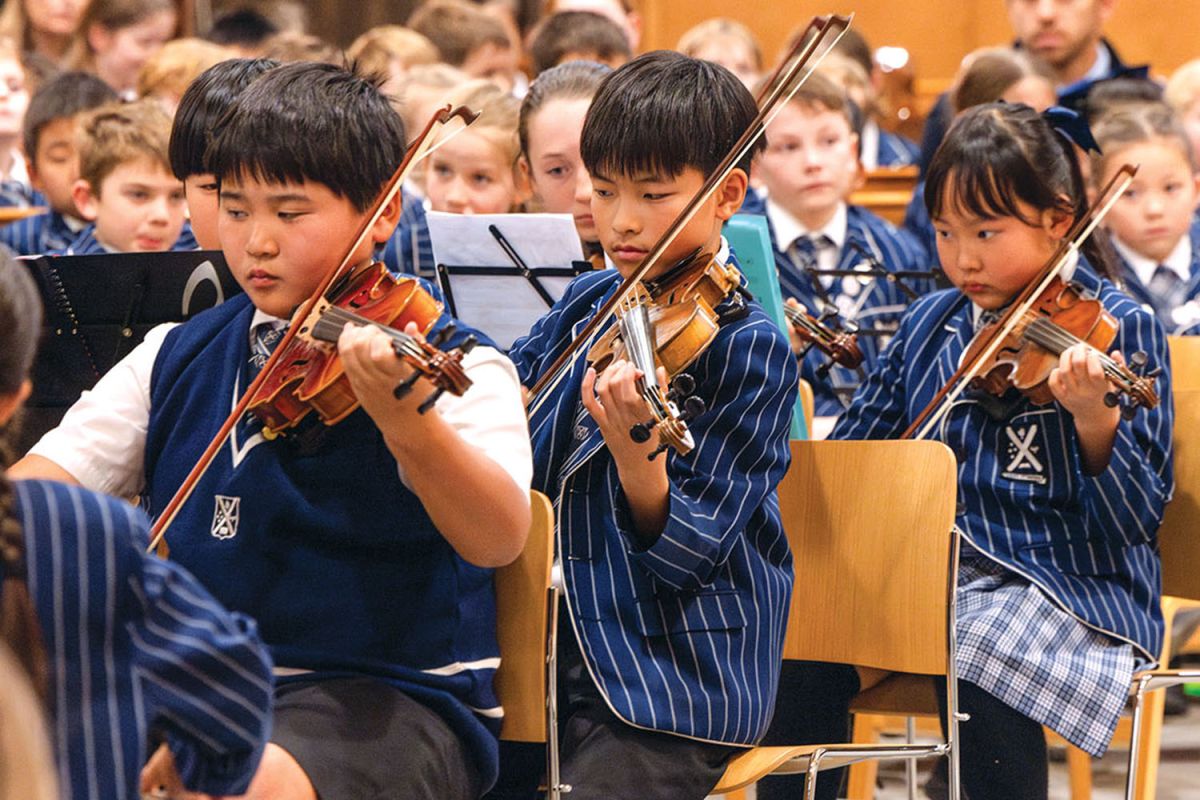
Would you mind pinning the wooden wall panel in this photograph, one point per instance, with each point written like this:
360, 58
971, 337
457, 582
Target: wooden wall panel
938, 33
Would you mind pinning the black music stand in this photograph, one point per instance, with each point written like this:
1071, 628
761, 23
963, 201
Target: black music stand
99, 307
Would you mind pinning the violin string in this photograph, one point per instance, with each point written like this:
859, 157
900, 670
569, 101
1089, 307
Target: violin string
330, 325
1057, 339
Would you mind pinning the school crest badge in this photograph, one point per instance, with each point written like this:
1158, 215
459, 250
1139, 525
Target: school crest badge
226, 516
1023, 454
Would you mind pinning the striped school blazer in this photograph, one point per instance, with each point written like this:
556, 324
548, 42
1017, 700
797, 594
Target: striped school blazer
684, 636
1089, 542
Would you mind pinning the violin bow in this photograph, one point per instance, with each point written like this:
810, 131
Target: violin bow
420, 148
1066, 253
785, 82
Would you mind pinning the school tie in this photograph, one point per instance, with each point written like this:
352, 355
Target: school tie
1166, 287
263, 339
805, 253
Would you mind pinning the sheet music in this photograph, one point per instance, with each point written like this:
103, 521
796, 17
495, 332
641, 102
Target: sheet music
504, 306
542, 240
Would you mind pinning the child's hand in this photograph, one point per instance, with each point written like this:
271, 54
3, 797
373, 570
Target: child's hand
615, 403
1079, 384
375, 370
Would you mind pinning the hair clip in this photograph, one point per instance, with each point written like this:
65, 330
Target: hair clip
1072, 125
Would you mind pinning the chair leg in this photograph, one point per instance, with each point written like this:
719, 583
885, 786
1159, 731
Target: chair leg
910, 765
1135, 738
864, 774
737, 794
1146, 774
814, 771
1079, 768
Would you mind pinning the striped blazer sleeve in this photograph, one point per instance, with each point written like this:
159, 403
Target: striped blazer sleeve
1126, 500
204, 674
740, 457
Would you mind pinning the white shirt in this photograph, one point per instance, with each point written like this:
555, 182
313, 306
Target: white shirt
788, 229
868, 145
102, 439
1178, 261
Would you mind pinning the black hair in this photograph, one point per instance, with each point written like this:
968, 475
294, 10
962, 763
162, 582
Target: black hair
664, 112
998, 155
244, 27
21, 321
61, 98
206, 99
572, 80
314, 122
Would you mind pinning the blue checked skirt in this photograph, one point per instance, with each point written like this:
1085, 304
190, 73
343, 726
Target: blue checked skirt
1018, 645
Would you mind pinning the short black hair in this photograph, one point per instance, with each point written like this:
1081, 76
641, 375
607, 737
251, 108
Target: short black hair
664, 112
63, 97
310, 122
243, 27
203, 104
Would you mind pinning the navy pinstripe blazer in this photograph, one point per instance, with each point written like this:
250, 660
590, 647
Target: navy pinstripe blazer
33, 236
1090, 542
881, 308
686, 636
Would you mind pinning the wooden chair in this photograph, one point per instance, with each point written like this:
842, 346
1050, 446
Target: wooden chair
527, 621
808, 403
1180, 551
875, 584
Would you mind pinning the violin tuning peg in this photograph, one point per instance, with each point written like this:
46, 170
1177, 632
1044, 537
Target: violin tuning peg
692, 408
430, 401
640, 433
442, 336
468, 344
1128, 411
734, 313
1138, 359
662, 448
405, 386
1111, 400
1154, 373
823, 370
683, 384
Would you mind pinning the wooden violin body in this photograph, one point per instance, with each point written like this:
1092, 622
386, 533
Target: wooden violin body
681, 333
309, 376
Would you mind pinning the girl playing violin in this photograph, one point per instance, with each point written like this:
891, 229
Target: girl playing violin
1059, 504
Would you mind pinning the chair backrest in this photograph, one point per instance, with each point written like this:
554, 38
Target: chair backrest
871, 530
522, 614
1177, 539
808, 403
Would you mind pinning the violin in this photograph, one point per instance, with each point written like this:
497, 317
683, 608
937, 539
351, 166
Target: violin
304, 373
1060, 318
683, 300
840, 347
1022, 348
310, 377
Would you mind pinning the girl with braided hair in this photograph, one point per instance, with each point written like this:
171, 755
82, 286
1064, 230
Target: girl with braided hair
124, 648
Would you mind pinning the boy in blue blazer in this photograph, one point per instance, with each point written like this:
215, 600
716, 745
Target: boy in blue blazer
676, 571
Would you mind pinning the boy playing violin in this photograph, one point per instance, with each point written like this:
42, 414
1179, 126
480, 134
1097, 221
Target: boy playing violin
370, 578
677, 574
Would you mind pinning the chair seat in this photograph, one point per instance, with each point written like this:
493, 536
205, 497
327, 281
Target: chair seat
748, 767
900, 694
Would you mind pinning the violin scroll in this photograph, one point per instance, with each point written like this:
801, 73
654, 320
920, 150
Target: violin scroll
840, 346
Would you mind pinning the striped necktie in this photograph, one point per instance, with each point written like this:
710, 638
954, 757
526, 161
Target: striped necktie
1166, 287
263, 340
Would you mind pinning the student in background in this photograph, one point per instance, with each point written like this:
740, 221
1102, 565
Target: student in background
623, 12
577, 36
26, 760
116, 37
809, 167
1152, 223
199, 109
476, 172
44, 27
468, 38
14, 100
169, 72
290, 46
1183, 95
986, 75
125, 187
552, 115
243, 30
726, 42
122, 645
52, 158
879, 148
391, 51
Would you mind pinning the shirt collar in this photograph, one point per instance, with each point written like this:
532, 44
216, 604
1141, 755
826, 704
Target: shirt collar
788, 229
1102, 67
261, 317
1178, 261
868, 145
